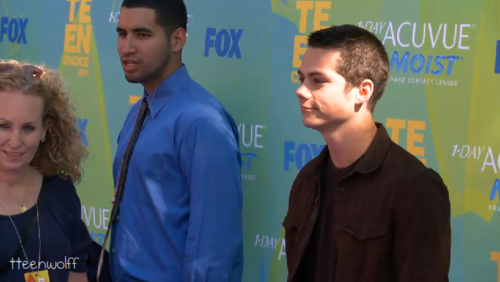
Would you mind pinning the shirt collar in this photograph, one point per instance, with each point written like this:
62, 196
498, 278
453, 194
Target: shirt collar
166, 90
371, 159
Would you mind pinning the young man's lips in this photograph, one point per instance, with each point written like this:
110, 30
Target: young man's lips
130, 66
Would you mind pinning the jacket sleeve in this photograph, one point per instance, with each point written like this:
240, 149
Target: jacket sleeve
422, 244
211, 164
290, 225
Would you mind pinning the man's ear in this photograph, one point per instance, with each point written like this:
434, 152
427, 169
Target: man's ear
178, 39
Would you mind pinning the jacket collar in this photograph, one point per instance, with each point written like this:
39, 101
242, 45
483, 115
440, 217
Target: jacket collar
371, 160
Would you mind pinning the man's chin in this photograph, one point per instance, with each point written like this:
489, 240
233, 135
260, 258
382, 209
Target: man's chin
312, 123
133, 79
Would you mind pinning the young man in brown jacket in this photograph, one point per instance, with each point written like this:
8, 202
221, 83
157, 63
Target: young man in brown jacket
365, 209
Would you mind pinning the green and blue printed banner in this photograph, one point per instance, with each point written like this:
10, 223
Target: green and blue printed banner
441, 104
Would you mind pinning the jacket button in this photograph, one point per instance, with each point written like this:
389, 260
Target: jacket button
342, 189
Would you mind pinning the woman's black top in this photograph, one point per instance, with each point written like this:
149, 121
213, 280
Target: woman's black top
65, 239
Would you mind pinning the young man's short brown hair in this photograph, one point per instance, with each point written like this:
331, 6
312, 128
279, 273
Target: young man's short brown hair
362, 56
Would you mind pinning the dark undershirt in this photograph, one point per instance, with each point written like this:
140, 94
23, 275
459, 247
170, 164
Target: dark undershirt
320, 257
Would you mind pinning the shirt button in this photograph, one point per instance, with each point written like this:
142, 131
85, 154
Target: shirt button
342, 189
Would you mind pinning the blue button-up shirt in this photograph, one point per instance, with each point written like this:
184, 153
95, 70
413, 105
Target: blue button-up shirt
181, 215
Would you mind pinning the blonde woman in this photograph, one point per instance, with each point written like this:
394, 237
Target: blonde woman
42, 234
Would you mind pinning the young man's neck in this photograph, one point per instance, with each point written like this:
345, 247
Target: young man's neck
169, 70
348, 142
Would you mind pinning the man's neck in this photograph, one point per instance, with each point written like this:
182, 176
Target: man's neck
169, 70
349, 141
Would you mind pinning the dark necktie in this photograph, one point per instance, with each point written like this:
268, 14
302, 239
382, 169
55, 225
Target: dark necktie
120, 184
122, 177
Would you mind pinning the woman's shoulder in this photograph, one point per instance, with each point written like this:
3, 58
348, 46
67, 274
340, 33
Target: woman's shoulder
58, 183
62, 190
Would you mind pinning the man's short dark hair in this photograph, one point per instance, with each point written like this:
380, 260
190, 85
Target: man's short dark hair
362, 56
170, 14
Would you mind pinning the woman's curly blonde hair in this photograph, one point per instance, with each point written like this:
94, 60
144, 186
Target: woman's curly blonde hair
62, 152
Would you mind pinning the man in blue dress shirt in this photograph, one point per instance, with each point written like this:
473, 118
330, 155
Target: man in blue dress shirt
180, 219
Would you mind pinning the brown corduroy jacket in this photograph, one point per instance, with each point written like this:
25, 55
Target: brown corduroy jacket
392, 218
